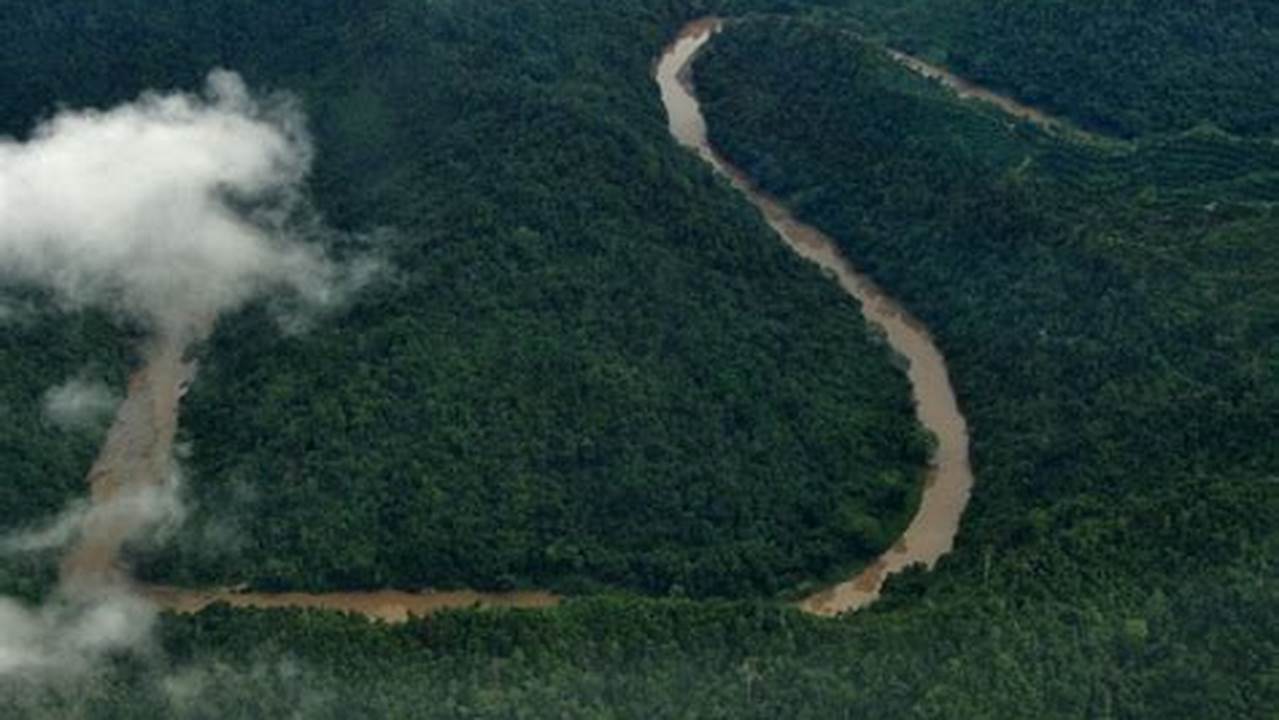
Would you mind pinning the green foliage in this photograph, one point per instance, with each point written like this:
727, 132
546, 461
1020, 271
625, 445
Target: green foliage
1129, 67
44, 466
1110, 314
1105, 345
1201, 651
588, 365
1110, 329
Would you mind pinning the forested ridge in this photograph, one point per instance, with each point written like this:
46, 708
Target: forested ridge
1127, 67
1115, 350
586, 366
975, 657
1109, 312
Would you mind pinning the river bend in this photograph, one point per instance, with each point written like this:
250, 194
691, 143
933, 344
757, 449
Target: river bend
144, 428
949, 478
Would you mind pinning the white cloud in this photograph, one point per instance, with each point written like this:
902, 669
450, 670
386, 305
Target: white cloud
170, 209
142, 510
66, 635
79, 404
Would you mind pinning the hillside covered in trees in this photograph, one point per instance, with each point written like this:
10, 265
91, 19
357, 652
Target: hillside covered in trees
1114, 348
586, 365
1109, 308
1127, 67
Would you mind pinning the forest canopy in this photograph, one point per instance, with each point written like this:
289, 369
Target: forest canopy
587, 366
1127, 67
1109, 308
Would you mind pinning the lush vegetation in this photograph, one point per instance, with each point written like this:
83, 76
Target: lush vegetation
1128, 67
1115, 350
1110, 312
43, 464
976, 656
589, 364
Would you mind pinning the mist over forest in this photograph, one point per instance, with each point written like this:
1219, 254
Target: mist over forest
392, 358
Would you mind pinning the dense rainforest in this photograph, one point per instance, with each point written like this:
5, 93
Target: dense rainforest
971, 657
1109, 307
587, 365
1128, 67
1115, 350
43, 464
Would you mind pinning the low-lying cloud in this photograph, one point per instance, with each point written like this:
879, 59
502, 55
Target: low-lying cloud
69, 634
169, 209
144, 510
71, 631
166, 211
80, 404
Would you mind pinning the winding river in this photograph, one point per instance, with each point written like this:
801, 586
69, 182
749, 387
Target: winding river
138, 446
949, 480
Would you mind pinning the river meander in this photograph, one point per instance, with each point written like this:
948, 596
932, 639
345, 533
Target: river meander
948, 481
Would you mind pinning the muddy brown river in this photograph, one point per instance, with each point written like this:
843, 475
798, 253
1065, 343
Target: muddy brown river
138, 448
133, 467
949, 481
387, 605
966, 89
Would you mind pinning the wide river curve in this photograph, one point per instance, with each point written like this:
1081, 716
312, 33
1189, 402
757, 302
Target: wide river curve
931, 533
145, 425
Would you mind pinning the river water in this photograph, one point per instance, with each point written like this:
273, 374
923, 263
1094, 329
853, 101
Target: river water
966, 89
386, 605
138, 447
949, 478
134, 467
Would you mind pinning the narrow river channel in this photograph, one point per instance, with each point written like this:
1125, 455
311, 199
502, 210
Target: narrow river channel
949, 481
